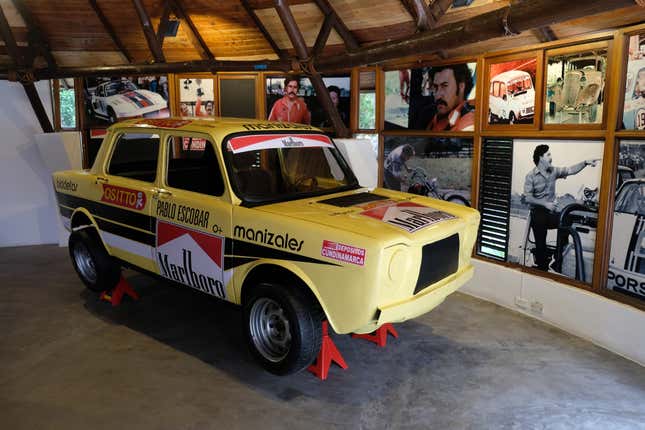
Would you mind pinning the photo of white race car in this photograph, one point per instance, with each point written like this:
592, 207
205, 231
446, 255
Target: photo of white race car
120, 99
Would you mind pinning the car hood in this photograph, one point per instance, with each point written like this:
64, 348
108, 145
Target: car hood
139, 99
382, 214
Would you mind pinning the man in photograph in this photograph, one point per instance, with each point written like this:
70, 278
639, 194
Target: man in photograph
539, 193
290, 108
450, 86
396, 169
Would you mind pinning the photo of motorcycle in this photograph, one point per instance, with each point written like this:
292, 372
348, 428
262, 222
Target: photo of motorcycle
421, 184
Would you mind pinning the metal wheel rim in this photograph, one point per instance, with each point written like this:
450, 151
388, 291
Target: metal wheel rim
270, 330
85, 262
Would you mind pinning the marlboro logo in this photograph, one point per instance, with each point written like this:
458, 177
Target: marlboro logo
409, 216
257, 142
125, 197
191, 258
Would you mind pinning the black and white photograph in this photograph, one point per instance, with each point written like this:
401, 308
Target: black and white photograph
112, 99
554, 206
429, 166
627, 256
435, 98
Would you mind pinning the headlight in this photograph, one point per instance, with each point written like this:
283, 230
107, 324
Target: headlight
399, 264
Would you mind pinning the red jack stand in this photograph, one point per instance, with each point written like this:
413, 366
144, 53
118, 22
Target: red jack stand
115, 295
328, 353
379, 336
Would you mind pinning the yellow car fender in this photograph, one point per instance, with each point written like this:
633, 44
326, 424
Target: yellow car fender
93, 224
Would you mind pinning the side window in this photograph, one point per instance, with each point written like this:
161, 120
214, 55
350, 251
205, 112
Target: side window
193, 166
135, 156
502, 89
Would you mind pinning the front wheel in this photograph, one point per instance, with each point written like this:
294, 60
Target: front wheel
96, 268
283, 328
458, 200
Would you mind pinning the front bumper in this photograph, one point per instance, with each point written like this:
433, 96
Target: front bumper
422, 302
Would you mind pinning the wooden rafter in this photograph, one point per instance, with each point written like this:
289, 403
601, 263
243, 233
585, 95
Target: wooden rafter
526, 15
348, 38
197, 40
110, 31
437, 9
323, 35
36, 38
298, 42
20, 61
545, 34
258, 23
163, 23
423, 16
149, 32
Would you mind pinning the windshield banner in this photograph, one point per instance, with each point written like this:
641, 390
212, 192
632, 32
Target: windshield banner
257, 142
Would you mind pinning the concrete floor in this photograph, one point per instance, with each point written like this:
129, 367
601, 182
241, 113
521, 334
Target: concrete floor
176, 360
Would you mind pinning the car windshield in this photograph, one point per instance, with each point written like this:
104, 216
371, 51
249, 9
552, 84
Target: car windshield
631, 198
114, 88
282, 167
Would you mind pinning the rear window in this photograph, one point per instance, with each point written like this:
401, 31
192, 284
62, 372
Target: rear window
135, 156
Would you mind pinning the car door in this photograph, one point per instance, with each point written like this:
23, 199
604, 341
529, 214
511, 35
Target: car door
124, 197
193, 215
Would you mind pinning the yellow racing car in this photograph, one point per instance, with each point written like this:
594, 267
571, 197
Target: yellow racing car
266, 215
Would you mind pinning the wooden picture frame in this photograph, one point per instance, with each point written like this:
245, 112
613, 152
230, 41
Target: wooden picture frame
510, 74
631, 119
185, 82
571, 101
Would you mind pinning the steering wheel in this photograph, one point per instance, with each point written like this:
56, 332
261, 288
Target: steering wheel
300, 182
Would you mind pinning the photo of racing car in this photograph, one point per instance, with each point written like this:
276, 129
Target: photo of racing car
109, 100
627, 256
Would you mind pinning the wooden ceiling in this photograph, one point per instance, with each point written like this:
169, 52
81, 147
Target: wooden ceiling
72, 33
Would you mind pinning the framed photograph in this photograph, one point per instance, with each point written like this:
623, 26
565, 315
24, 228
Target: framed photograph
511, 96
554, 206
627, 256
308, 110
634, 106
438, 167
435, 98
112, 99
575, 84
196, 96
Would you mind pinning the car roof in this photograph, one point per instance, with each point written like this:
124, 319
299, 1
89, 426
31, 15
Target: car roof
213, 125
511, 74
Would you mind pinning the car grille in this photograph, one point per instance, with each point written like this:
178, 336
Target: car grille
438, 260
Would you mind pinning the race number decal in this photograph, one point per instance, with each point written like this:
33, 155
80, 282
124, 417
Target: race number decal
191, 258
409, 216
639, 119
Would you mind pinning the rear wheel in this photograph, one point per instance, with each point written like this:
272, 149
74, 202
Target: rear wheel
96, 268
283, 328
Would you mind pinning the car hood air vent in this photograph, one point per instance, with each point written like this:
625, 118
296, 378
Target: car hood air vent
353, 199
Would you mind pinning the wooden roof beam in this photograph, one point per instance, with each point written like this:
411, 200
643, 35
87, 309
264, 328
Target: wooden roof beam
20, 61
162, 28
437, 9
110, 31
298, 42
196, 38
526, 15
149, 32
323, 35
545, 34
36, 38
348, 38
258, 23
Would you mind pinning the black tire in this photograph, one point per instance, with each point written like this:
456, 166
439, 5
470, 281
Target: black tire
112, 115
456, 198
491, 118
283, 328
96, 268
511, 118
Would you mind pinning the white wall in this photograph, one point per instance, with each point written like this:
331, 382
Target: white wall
26, 216
607, 323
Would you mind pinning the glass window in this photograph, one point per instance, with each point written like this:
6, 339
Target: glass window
575, 86
67, 103
193, 166
367, 101
135, 156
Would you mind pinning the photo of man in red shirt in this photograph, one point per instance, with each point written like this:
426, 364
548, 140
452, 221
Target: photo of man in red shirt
290, 108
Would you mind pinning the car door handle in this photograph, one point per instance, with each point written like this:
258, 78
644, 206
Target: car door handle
101, 180
160, 192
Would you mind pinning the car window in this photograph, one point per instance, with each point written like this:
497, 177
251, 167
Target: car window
631, 199
193, 166
135, 156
